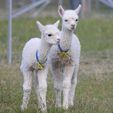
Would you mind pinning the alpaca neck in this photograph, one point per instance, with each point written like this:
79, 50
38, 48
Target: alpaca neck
43, 50
66, 38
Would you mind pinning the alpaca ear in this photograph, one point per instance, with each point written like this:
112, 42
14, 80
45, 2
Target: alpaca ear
57, 23
77, 10
60, 10
40, 26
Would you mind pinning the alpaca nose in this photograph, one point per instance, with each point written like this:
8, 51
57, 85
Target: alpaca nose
58, 39
73, 25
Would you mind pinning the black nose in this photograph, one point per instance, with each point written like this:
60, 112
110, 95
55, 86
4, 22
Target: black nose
73, 25
58, 40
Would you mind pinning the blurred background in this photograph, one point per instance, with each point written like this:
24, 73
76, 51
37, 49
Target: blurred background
94, 93
91, 8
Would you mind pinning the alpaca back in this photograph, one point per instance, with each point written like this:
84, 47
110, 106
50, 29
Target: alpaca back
29, 51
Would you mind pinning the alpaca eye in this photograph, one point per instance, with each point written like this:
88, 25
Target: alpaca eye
76, 20
49, 35
66, 20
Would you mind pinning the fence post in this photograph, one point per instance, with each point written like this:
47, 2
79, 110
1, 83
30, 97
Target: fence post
60, 2
11, 16
86, 8
9, 52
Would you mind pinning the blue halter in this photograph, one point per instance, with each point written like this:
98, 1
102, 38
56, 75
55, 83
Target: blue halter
61, 50
37, 58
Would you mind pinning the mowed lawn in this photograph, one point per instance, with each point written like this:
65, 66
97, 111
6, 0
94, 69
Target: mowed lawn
94, 92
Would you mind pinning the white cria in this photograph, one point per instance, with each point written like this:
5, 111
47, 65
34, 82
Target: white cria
64, 58
29, 63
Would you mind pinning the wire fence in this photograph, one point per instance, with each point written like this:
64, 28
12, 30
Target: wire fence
91, 8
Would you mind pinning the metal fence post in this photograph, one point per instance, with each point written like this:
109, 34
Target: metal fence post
9, 52
60, 2
13, 15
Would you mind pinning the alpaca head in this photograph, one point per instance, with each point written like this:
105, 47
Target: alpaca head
69, 17
50, 33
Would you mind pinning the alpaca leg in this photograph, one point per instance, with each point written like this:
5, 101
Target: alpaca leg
73, 86
35, 81
58, 98
67, 84
27, 77
57, 76
58, 88
72, 92
42, 89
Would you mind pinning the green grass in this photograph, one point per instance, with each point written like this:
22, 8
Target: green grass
94, 93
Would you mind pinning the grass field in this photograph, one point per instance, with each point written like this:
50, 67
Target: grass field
94, 92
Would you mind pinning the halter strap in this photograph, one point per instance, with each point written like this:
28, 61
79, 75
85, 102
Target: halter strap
37, 58
61, 50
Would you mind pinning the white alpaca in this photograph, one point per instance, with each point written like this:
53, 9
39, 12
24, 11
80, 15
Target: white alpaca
34, 60
64, 58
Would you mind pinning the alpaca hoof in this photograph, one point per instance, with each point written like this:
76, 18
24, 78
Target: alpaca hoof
71, 104
65, 107
58, 105
44, 110
23, 107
